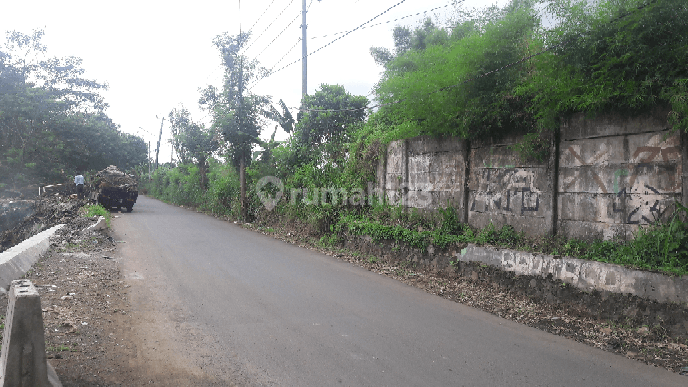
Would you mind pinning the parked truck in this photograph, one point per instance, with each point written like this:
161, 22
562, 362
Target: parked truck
114, 189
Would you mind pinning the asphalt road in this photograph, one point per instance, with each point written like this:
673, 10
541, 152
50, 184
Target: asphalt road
253, 310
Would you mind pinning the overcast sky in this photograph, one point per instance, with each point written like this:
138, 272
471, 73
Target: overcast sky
155, 55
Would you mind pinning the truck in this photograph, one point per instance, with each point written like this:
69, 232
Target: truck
114, 189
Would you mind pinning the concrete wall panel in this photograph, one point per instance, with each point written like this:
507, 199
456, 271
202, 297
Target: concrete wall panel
621, 179
579, 126
612, 175
426, 173
505, 190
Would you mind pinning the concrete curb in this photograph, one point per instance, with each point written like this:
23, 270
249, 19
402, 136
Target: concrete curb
584, 274
100, 225
16, 261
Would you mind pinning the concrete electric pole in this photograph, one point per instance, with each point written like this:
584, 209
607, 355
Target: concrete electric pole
157, 151
304, 52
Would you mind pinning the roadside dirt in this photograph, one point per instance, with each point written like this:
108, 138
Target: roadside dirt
84, 303
94, 337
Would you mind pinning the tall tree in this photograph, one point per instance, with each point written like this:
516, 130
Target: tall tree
238, 113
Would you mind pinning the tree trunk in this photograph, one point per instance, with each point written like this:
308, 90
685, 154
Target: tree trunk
242, 179
203, 172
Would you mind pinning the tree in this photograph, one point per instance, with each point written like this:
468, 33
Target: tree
52, 120
325, 124
237, 112
192, 141
405, 39
620, 55
439, 86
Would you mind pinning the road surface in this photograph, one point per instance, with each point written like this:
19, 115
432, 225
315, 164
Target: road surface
217, 304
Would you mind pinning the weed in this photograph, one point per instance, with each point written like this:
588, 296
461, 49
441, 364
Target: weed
91, 210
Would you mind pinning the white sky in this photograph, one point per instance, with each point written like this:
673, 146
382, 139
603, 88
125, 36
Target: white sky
155, 55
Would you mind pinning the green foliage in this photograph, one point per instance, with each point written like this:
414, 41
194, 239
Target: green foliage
237, 112
435, 87
327, 125
661, 246
192, 141
91, 210
52, 120
621, 55
182, 186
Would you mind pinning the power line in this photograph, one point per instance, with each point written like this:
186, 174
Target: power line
311, 53
386, 22
269, 25
280, 34
287, 53
259, 17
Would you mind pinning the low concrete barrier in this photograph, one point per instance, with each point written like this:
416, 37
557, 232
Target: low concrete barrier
23, 362
16, 261
584, 274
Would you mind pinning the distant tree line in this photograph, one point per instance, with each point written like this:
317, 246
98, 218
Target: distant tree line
52, 120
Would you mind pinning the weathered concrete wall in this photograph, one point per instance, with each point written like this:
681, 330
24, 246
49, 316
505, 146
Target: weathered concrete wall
426, 173
395, 175
606, 176
504, 190
586, 275
616, 174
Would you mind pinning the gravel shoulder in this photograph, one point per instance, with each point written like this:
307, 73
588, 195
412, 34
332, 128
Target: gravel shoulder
84, 303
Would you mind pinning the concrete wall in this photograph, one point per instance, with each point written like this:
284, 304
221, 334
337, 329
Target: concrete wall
616, 174
605, 177
505, 190
426, 173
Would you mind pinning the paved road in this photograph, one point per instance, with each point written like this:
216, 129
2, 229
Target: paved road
264, 312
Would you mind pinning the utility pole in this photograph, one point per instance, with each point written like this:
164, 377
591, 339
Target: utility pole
304, 53
157, 151
242, 159
149, 162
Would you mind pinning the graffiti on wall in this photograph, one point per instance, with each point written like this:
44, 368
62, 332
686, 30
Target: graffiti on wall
643, 186
510, 190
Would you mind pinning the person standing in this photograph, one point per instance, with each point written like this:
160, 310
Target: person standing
79, 181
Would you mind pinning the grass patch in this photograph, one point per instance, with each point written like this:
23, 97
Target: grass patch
91, 210
661, 247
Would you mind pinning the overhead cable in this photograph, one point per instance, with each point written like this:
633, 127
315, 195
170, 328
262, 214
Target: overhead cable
313, 52
280, 34
269, 25
259, 17
386, 22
